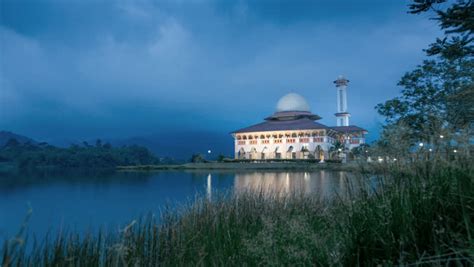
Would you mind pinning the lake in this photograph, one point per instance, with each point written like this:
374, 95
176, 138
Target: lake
83, 202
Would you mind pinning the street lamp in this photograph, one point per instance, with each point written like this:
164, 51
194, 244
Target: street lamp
420, 144
441, 136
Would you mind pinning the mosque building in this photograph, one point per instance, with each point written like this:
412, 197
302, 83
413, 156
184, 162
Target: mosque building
292, 132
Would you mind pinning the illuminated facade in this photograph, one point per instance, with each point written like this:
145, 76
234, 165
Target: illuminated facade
293, 133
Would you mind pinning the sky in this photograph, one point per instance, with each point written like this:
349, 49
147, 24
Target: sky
78, 70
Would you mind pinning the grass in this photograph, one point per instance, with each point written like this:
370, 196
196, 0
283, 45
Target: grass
419, 214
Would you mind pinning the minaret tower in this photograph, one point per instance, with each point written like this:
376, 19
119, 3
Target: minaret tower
342, 115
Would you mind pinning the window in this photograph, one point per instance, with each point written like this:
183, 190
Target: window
241, 142
265, 141
304, 140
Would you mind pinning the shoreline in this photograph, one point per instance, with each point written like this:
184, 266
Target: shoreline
277, 166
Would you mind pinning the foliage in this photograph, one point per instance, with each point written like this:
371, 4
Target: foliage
197, 158
458, 23
360, 151
419, 214
220, 158
30, 155
438, 95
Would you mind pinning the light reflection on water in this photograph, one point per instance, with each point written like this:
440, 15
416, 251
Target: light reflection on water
322, 183
90, 201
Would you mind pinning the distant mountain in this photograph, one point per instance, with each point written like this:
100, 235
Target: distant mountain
181, 145
5, 136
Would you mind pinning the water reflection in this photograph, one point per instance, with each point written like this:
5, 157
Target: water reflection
83, 201
322, 183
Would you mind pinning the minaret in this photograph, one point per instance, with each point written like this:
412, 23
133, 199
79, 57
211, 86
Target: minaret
342, 115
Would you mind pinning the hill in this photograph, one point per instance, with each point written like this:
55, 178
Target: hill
6, 135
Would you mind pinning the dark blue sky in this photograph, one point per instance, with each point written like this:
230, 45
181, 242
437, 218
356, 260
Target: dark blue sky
84, 69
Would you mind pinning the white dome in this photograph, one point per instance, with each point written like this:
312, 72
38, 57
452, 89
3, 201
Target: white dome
292, 102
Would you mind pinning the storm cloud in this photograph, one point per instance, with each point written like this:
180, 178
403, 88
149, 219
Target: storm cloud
86, 69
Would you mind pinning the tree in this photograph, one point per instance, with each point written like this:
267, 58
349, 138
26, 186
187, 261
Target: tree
457, 21
12, 143
98, 143
438, 95
220, 158
196, 158
360, 151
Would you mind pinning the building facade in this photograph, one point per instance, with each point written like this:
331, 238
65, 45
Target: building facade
293, 132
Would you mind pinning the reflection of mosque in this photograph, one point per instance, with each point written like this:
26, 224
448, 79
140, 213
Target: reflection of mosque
323, 183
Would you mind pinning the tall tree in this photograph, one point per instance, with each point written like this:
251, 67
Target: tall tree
439, 94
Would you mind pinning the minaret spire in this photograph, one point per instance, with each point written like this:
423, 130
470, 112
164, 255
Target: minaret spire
342, 115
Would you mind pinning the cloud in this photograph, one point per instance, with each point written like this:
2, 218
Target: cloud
198, 65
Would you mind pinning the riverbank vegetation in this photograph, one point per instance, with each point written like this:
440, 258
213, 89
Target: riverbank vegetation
418, 213
99, 156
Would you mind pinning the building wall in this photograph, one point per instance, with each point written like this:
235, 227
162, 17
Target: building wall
317, 143
271, 148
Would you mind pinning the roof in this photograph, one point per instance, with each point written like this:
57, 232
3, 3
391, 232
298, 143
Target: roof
282, 125
289, 115
348, 129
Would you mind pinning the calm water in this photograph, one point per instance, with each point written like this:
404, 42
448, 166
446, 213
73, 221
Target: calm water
88, 201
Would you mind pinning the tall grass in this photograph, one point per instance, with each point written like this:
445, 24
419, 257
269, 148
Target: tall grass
419, 214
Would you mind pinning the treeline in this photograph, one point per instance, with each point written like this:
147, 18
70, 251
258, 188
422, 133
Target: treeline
32, 155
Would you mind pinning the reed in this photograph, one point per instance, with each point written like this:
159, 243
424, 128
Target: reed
419, 213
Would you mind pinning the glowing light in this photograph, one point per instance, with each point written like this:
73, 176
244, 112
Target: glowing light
455, 151
441, 136
339, 150
421, 144
209, 151
394, 159
430, 149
